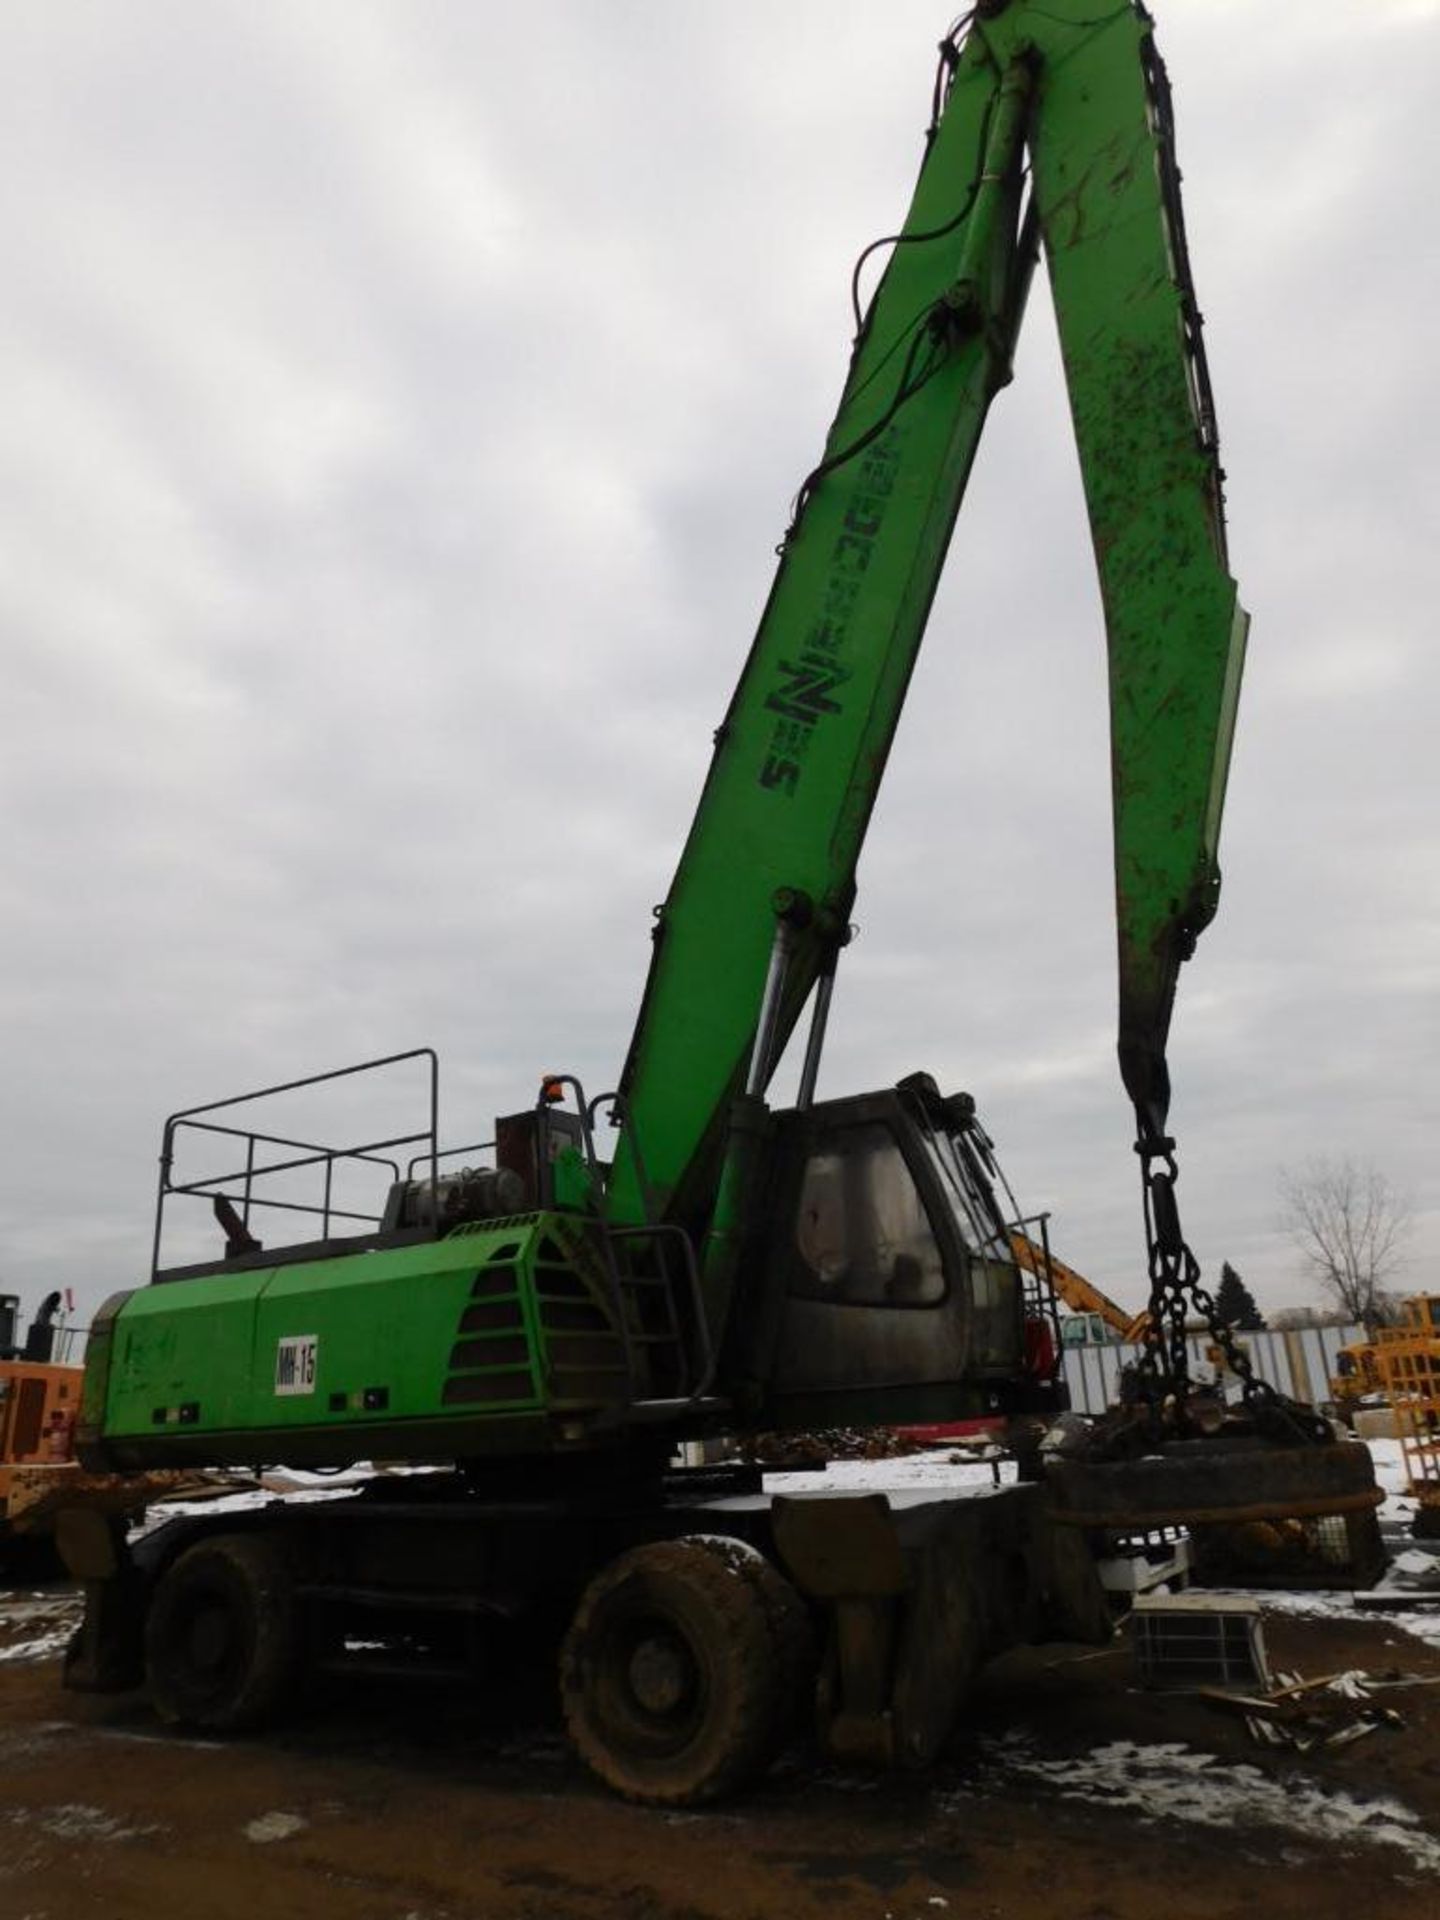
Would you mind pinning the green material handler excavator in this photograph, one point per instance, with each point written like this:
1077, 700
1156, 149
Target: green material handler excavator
551, 1326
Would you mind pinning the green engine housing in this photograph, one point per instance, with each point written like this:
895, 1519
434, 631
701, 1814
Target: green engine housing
501, 1337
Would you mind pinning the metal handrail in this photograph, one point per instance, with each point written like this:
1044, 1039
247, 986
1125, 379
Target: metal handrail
292, 1206
368, 1153
316, 1156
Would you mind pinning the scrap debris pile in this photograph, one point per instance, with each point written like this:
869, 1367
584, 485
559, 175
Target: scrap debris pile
815, 1448
1332, 1710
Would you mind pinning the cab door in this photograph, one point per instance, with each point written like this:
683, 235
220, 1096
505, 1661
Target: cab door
865, 1310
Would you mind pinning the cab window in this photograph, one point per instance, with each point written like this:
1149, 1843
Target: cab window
862, 1235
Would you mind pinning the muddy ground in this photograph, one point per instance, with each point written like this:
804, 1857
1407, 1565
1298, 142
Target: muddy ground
399, 1801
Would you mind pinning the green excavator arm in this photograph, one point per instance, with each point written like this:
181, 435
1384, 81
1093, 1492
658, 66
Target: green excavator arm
1052, 128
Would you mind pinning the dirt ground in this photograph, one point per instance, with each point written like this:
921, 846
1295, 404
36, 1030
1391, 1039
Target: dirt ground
406, 1802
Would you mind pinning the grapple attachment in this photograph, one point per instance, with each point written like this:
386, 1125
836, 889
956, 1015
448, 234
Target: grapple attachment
1260, 1513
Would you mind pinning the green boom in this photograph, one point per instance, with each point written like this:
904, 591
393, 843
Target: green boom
800, 755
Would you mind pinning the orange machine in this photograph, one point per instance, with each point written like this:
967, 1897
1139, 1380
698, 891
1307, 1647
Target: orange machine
1359, 1369
1080, 1295
1407, 1361
39, 1399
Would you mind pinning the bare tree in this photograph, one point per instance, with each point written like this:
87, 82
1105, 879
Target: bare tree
1350, 1226
1290, 1319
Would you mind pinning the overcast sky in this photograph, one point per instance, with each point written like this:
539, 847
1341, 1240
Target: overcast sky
402, 403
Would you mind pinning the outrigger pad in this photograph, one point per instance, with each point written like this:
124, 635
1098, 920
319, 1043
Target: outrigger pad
919, 1588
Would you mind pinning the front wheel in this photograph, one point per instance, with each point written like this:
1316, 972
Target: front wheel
669, 1675
222, 1640
792, 1636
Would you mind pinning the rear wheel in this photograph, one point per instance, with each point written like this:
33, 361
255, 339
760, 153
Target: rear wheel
222, 1640
669, 1675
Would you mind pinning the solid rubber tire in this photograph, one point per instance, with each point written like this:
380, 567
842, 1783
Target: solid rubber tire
244, 1577
792, 1635
706, 1604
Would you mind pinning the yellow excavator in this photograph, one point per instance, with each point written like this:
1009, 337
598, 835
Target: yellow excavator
1358, 1368
1088, 1305
1407, 1363
39, 1398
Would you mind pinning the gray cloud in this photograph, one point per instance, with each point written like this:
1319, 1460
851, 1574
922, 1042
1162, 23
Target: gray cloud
403, 404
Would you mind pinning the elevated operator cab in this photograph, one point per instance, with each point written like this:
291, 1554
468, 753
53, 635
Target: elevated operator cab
885, 1288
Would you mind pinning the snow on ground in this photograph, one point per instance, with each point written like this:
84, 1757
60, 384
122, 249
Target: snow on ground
967, 1467
295, 1487
1411, 1565
274, 1826
1420, 1623
1165, 1781
949, 1469
1173, 1782
76, 1821
909, 1475
1390, 1472
36, 1626
958, 1467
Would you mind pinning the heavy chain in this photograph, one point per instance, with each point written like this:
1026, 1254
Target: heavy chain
1176, 1291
